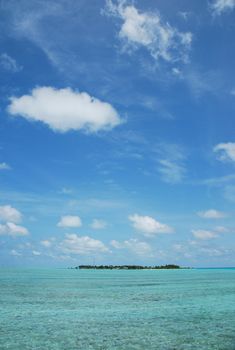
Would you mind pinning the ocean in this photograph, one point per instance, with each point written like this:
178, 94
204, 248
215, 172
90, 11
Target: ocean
65, 309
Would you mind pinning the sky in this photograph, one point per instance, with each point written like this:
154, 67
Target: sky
117, 141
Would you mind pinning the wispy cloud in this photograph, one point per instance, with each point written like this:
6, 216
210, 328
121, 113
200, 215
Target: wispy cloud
9, 64
14, 252
217, 181
66, 191
4, 166
229, 193
225, 151
220, 6
198, 249
150, 31
171, 160
28, 21
46, 243
212, 214
171, 171
53, 27
201, 82
134, 246
98, 224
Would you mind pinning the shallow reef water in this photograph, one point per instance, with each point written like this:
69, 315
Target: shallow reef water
65, 309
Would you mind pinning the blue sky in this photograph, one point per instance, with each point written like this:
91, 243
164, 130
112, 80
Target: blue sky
117, 132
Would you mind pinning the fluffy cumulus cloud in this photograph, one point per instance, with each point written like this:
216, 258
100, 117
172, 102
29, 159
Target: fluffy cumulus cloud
148, 30
220, 6
8, 213
212, 214
4, 166
98, 224
204, 234
13, 230
149, 226
64, 109
82, 245
225, 151
70, 221
134, 246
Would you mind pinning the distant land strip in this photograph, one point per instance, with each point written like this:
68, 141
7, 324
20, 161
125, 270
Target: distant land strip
126, 267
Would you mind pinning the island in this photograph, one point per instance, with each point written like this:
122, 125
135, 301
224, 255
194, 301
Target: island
126, 267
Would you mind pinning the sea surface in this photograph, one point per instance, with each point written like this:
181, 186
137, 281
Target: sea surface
150, 309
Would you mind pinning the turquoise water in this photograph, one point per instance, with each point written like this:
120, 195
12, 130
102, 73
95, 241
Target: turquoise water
71, 309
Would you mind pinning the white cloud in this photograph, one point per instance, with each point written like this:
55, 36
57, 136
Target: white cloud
64, 109
26, 245
70, 221
16, 230
8, 213
171, 159
204, 234
8, 63
178, 247
46, 243
199, 249
133, 245
225, 151
65, 258
212, 214
201, 82
222, 229
15, 253
184, 14
148, 225
229, 193
83, 245
218, 181
13, 230
98, 224
176, 71
220, 6
4, 166
214, 252
66, 190
171, 171
145, 29
36, 253
33, 23
104, 203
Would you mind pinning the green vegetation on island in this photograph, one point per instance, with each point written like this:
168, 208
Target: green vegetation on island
126, 267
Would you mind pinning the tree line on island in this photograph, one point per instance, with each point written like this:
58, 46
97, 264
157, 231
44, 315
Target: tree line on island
126, 267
